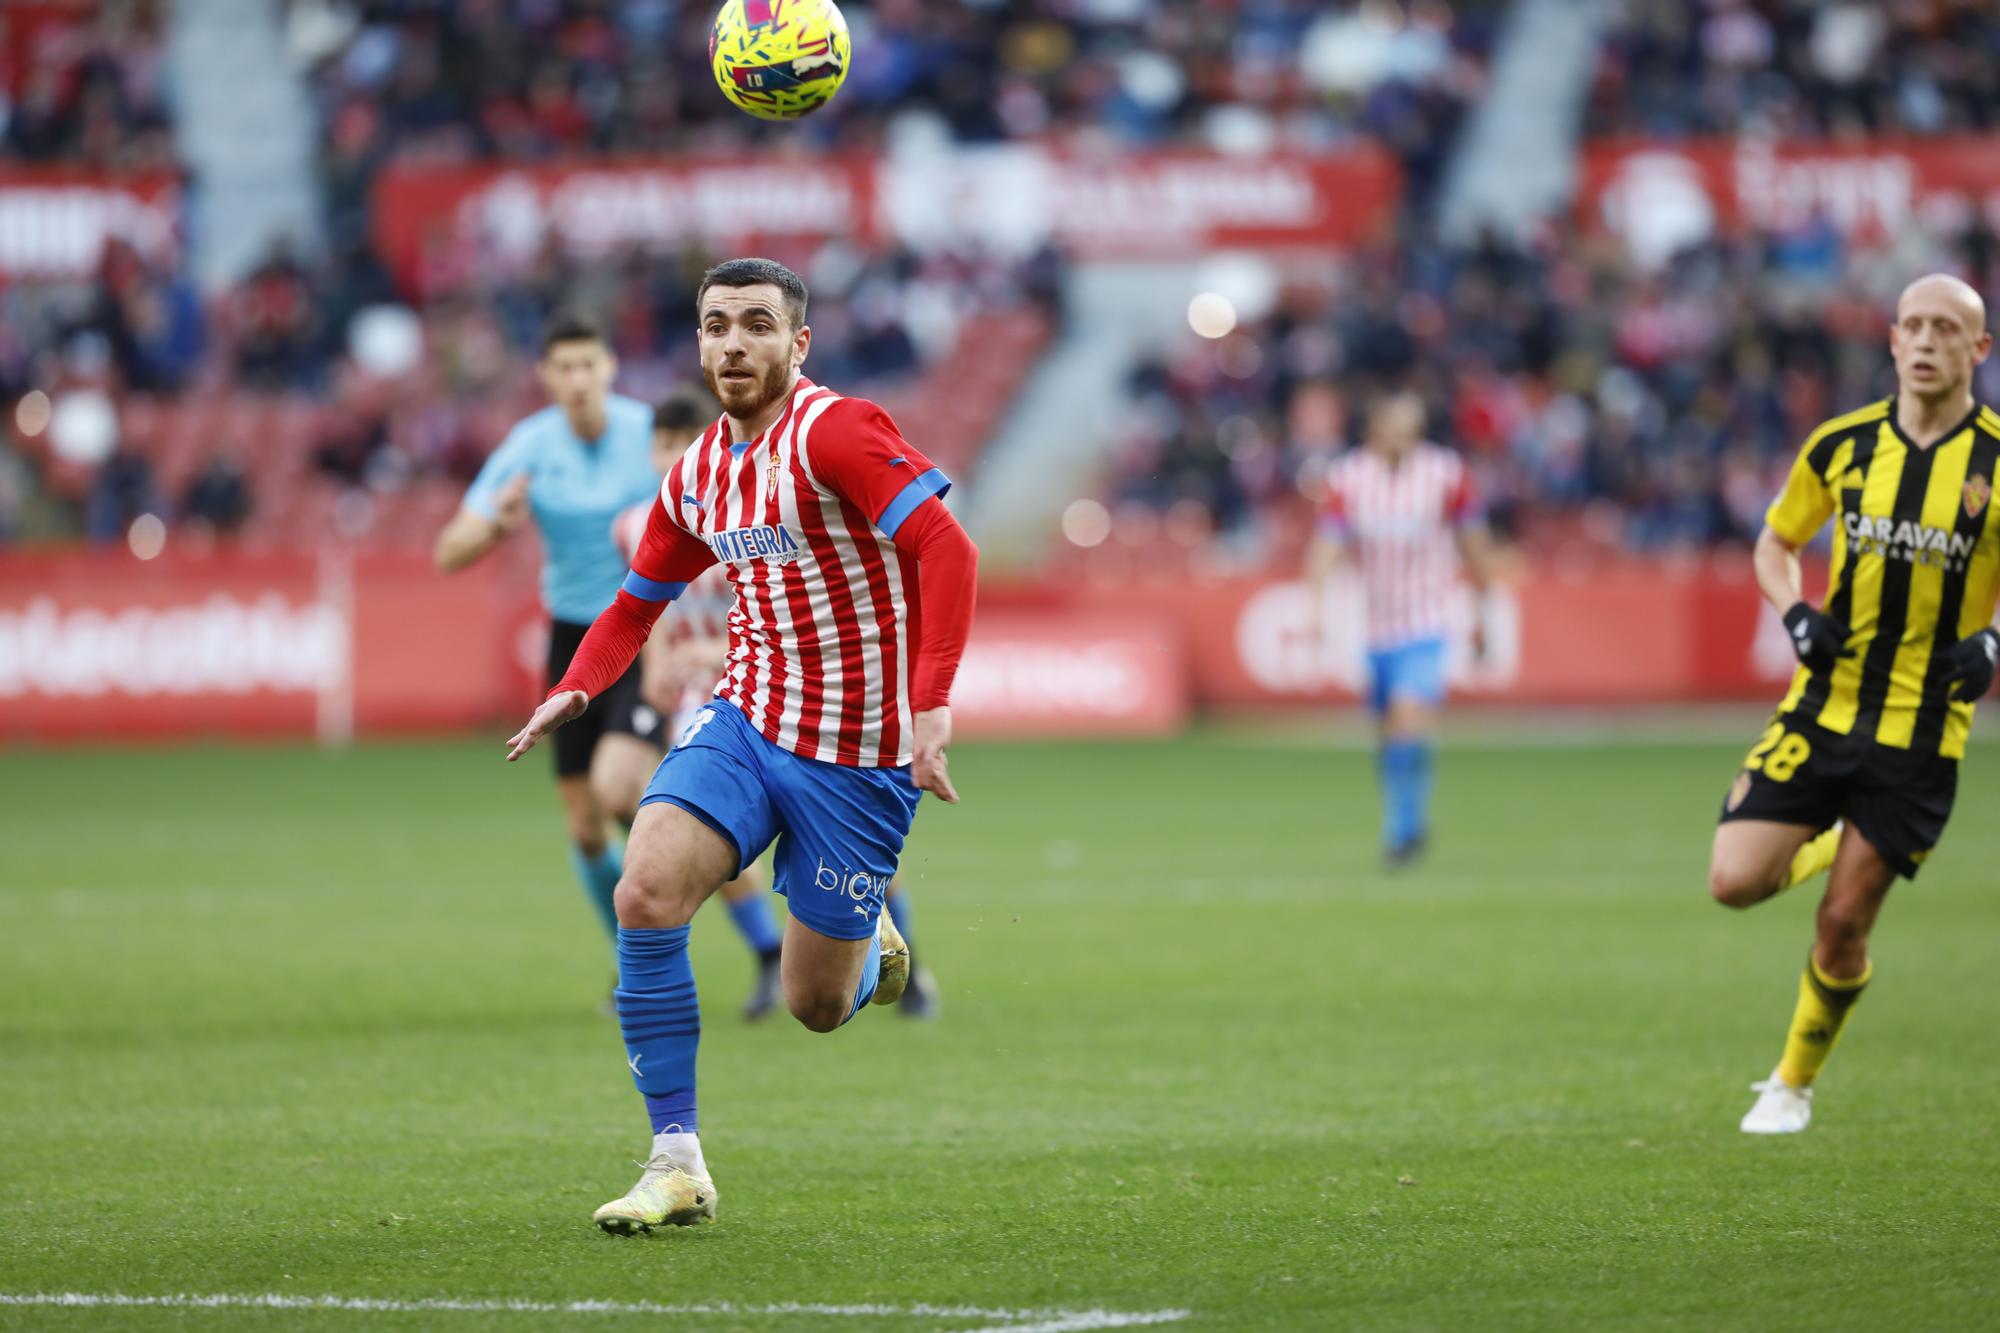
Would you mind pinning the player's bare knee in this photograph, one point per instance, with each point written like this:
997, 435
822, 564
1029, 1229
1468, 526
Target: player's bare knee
1734, 885
819, 1013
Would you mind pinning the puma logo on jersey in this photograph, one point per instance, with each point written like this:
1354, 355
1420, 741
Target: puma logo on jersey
764, 541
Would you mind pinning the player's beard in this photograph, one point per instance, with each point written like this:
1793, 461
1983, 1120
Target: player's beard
767, 390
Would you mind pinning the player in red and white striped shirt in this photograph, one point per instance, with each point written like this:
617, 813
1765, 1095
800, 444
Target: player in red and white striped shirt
1404, 510
853, 593
684, 662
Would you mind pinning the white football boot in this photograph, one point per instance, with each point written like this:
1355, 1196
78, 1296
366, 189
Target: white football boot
675, 1190
1780, 1109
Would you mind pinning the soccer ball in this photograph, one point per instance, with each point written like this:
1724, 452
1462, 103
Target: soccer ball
778, 59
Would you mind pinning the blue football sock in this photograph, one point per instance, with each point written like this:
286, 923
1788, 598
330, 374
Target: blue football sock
1423, 777
899, 912
661, 1019
871, 976
1398, 769
752, 916
599, 877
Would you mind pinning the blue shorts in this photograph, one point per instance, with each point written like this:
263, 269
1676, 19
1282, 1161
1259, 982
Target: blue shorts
839, 830
1413, 670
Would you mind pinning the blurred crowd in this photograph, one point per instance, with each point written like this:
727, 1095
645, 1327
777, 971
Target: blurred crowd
1597, 401
82, 87
525, 79
1643, 406
1799, 67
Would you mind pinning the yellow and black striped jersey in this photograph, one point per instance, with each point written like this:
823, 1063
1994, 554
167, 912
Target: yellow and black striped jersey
1916, 567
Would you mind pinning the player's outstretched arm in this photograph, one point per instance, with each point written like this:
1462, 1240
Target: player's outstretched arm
668, 557
555, 710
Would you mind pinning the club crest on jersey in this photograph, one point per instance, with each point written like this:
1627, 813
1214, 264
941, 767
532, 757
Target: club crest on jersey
763, 541
1978, 490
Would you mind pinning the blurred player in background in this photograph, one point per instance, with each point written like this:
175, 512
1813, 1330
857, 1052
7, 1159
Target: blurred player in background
1858, 770
1403, 510
853, 596
682, 665
574, 467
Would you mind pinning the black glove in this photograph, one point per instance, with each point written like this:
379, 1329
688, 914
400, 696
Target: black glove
1817, 637
1969, 665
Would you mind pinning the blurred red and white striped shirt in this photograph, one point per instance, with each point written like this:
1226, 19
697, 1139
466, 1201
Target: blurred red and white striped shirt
824, 618
1400, 521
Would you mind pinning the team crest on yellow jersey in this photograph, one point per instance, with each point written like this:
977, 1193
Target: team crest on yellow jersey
1978, 490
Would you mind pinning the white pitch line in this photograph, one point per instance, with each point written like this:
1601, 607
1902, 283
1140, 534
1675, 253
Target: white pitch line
1011, 1321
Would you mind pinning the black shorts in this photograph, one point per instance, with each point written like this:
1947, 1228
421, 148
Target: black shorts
618, 709
1801, 773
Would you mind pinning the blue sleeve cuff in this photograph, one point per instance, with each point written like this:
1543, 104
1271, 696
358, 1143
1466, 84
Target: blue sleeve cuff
646, 590
921, 489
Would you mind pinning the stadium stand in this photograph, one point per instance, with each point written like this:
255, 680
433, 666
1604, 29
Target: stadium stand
1798, 67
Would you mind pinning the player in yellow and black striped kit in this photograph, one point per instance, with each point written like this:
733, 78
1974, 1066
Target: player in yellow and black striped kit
1857, 770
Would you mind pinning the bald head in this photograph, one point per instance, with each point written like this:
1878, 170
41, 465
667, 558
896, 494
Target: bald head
1939, 336
1936, 291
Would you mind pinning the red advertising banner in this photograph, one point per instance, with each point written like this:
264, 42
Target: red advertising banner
1139, 204
593, 209
55, 222
1661, 197
107, 646
1619, 633
1073, 673
1015, 197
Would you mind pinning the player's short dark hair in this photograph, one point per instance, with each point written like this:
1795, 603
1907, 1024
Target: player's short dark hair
683, 409
571, 327
756, 273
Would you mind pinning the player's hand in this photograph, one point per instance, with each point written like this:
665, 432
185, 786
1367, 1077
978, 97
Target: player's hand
552, 714
1969, 665
510, 505
1817, 637
933, 733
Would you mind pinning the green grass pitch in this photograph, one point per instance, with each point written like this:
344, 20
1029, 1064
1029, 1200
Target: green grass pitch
274, 1022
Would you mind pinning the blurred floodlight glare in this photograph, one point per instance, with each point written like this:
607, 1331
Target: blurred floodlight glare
84, 427
1086, 523
1248, 282
386, 340
1211, 315
31, 414
147, 536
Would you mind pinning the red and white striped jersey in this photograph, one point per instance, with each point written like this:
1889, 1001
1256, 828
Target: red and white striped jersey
1400, 521
825, 613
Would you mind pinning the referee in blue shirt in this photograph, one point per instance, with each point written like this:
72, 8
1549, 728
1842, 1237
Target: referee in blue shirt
573, 467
